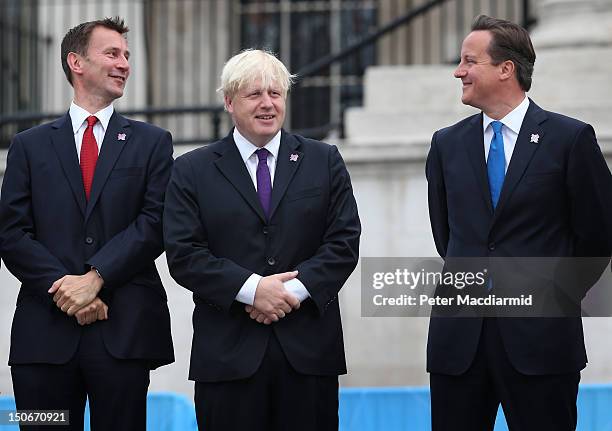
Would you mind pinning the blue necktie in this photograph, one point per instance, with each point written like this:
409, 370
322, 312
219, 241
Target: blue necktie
496, 163
264, 184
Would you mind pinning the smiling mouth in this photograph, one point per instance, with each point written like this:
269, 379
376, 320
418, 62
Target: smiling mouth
264, 117
121, 78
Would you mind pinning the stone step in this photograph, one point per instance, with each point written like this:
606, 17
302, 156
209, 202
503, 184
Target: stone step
411, 88
371, 127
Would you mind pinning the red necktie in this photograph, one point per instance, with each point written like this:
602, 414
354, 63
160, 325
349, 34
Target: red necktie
89, 155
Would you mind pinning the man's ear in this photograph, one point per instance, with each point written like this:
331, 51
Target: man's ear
75, 63
507, 70
229, 107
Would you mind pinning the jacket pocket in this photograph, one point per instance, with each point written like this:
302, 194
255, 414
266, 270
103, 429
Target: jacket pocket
304, 193
554, 176
126, 172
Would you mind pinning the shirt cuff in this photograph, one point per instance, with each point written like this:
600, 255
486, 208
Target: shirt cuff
246, 295
297, 289
98, 273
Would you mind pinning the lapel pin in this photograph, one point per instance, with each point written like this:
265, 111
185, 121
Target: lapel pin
535, 138
293, 157
121, 137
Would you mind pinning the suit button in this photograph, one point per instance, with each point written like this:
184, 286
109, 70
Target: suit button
265, 230
89, 240
492, 246
271, 261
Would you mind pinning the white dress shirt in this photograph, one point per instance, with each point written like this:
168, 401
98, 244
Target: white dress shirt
247, 150
79, 116
512, 126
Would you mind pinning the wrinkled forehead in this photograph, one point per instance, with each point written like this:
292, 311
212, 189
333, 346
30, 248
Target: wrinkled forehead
102, 39
260, 82
476, 43
105, 35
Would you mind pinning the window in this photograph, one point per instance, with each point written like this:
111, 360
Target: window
301, 32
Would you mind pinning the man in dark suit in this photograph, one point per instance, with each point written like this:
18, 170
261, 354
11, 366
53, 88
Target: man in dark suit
512, 181
80, 227
262, 227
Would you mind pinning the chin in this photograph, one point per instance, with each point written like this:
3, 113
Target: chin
268, 131
116, 95
116, 91
468, 99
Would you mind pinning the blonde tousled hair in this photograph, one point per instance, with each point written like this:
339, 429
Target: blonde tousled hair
250, 65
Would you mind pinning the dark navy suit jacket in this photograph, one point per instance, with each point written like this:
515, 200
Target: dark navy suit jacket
553, 203
48, 230
216, 236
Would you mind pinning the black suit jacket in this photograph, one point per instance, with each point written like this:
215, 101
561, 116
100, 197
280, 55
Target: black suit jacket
553, 203
48, 230
216, 236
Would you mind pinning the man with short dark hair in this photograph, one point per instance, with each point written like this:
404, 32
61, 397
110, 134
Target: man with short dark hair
512, 181
80, 227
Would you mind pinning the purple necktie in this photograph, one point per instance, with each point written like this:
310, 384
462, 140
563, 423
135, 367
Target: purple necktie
264, 184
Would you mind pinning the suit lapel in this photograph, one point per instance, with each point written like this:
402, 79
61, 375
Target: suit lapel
109, 152
65, 147
286, 167
522, 154
473, 140
232, 167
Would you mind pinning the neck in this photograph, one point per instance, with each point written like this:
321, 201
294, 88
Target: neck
259, 144
90, 102
258, 141
505, 105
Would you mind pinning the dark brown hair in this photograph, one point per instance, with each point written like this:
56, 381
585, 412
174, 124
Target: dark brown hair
511, 42
77, 38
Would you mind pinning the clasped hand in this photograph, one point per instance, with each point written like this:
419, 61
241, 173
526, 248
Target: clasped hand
77, 295
272, 301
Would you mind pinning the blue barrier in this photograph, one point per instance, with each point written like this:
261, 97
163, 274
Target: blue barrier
401, 408
365, 409
166, 411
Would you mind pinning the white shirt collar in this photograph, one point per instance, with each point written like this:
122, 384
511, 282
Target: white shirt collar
513, 120
78, 115
246, 148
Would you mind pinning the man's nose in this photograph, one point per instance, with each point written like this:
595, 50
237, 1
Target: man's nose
123, 63
459, 71
266, 100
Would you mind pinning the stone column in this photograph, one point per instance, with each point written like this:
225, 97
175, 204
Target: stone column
573, 70
573, 75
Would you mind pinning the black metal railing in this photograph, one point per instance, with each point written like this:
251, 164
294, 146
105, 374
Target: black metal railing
175, 63
179, 47
419, 12
25, 120
368, 40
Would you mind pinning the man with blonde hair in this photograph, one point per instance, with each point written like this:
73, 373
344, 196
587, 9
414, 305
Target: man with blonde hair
262, 227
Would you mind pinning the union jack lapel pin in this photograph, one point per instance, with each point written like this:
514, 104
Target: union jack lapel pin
535, 138
121, 137
293, 157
